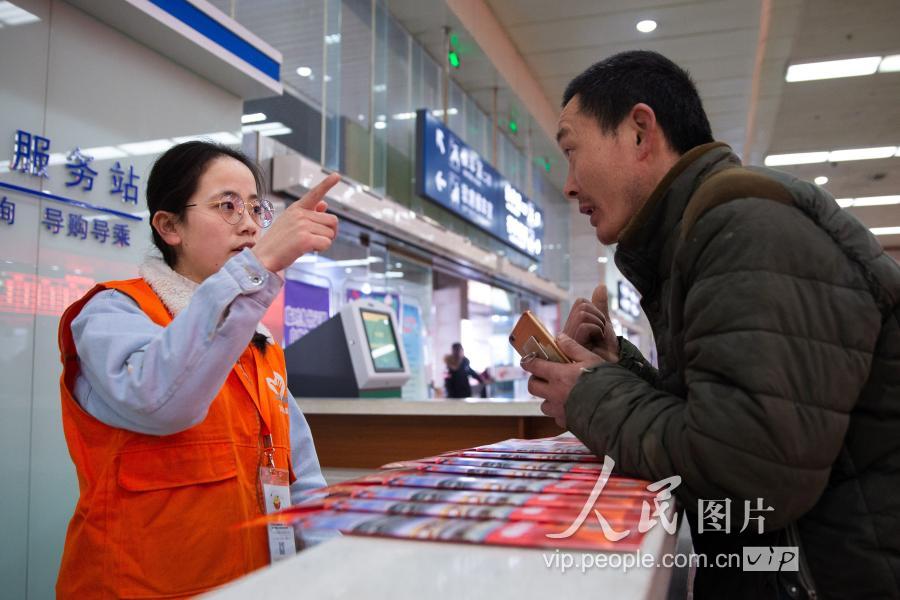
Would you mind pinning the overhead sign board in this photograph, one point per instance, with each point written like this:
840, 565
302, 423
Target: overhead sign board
455, 176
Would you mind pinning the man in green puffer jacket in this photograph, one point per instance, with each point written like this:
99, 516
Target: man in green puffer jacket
776, 317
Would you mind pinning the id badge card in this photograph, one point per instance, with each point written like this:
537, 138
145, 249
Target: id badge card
277, 495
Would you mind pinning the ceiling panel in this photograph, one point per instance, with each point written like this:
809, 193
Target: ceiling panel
839, 113
833, 28
564, 32
715, 40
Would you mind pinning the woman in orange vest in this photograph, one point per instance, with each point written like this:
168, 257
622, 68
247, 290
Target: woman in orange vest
174, 399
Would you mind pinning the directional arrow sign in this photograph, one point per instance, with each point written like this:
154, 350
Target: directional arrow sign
453, 175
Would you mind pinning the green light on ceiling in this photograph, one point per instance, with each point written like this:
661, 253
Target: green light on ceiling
452, 54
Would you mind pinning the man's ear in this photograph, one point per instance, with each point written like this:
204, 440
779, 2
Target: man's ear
643, 126
164, 222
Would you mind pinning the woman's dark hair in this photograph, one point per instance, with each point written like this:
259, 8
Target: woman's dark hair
610, 88
174, 178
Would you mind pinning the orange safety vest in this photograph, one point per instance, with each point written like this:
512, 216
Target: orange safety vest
158, 516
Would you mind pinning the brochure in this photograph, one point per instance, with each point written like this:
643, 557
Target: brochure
473, 531
512, 493
619, 518
554, 445
583, 458
487, 498
592, 469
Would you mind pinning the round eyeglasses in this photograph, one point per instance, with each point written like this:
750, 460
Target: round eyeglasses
232, 210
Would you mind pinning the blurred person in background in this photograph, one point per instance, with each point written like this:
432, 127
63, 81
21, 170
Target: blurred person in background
458, 372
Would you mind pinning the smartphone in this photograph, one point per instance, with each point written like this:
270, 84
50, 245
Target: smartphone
530, 336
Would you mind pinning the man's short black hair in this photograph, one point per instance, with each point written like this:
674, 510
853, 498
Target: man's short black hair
609, 89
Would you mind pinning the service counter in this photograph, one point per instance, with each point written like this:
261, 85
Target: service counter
355, 433
373, 432
376, 568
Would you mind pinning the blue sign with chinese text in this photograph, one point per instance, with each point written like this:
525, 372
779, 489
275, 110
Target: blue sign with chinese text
31, 156
454, 175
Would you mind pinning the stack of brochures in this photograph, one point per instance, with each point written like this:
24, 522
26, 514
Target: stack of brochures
527, 493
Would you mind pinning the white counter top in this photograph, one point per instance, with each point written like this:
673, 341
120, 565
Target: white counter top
438, 407
374, 568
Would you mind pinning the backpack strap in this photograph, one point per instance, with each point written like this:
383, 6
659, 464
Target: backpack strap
730, 184
736, 182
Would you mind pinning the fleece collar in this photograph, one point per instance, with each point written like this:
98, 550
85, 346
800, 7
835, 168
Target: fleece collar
175, 290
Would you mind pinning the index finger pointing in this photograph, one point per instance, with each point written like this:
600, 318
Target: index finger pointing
600, 298
315, 195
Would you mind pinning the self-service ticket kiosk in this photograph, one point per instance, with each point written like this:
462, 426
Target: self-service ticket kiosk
355, 353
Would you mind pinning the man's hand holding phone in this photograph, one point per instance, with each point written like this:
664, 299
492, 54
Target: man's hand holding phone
555, 364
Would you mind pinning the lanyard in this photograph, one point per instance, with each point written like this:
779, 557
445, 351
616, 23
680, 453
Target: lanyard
265, 431
268, 447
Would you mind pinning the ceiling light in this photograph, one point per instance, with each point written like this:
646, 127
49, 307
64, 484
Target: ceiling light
798, 158
876, 200
885, 230
277, 131
646, 26
890, 64
253, 118
821, 180
868, 201
104, 152
602, 260
440, 113
380, 125
10, 14
304, 71
148, 147
807, 158
333, 38
357, 262
862, 154
262, 126
219, 137
833, 69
